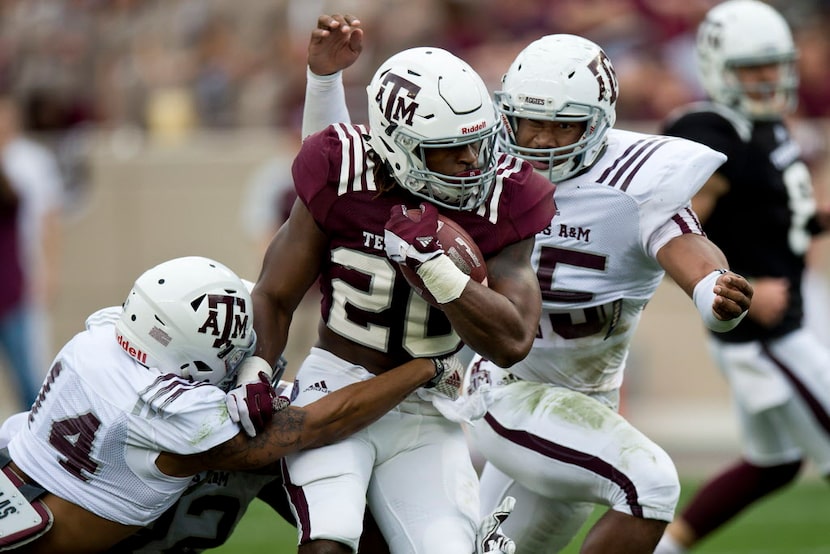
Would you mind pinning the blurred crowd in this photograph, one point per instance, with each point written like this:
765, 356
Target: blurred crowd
230, 63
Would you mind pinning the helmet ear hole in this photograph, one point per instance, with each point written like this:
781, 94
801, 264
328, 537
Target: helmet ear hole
201, 369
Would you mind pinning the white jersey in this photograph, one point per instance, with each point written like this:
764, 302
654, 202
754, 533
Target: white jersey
100, 421
596, 262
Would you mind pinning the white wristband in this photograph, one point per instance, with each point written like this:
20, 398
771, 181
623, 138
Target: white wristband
443, 279
324, 81
250, 367
704, 298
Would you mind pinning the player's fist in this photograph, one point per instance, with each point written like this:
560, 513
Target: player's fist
335, 44
251, 404
411, 236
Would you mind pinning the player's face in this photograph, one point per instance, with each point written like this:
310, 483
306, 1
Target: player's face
759, 81
458, 160
533, 133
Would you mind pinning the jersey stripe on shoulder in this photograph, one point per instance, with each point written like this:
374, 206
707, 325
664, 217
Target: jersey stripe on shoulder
638, 153
688, 222
508, 166
353, 153
163, 391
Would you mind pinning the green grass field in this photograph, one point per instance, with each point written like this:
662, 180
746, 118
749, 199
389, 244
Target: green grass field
795, 521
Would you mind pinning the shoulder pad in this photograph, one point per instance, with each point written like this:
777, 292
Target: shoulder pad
739, 122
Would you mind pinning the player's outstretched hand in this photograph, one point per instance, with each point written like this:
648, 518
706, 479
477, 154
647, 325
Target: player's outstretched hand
733, 295
410, 235
251, 404
335, 44
489, 539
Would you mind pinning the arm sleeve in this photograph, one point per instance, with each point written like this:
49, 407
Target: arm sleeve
665, 201
325, 102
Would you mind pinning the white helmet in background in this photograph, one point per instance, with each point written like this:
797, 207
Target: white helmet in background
742, 33
560, 78
425, 98
192, 317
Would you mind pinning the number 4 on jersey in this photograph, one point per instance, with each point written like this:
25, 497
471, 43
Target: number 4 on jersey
73, 437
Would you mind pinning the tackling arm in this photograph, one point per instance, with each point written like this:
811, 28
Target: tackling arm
327, 420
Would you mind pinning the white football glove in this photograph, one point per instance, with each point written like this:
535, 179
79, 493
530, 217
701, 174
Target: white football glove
449, 374
489, 539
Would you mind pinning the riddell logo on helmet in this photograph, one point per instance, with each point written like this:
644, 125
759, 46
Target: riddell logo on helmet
133, 352
474, 128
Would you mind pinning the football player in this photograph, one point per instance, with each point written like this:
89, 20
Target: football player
135, 406
552, 435
209, 510
429, 146
759, 208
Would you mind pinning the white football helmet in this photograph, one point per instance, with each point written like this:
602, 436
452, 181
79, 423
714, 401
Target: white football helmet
427, 98
192, 317
741, 33
560, 78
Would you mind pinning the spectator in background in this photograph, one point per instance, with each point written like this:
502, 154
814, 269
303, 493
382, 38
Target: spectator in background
34, 175
14, 325
269, 196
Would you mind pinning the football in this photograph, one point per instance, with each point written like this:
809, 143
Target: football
461, 249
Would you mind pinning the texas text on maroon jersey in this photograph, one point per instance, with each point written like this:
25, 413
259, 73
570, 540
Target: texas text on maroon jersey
363, 289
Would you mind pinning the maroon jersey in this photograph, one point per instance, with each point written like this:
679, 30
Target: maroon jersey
365, 296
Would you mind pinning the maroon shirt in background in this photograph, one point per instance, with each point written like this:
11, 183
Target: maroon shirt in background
11, 270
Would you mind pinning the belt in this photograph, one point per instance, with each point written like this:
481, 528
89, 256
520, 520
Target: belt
28, 488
